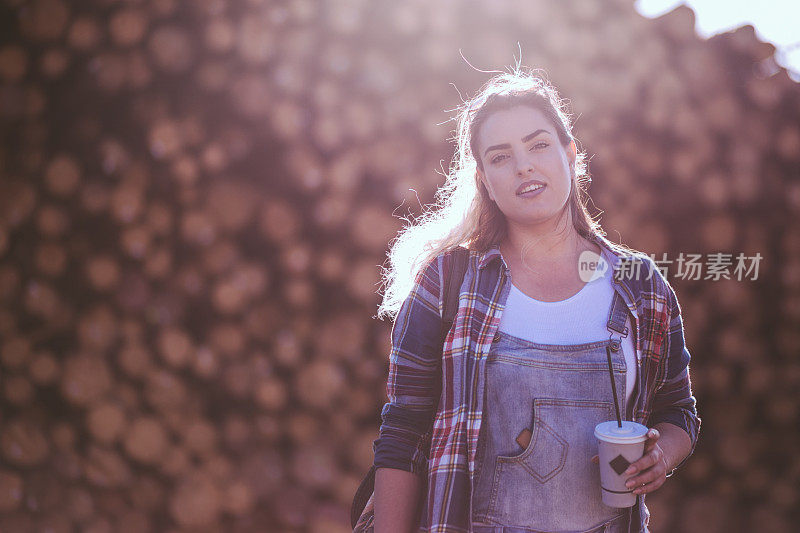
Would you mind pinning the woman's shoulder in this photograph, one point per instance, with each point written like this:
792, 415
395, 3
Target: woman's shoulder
436, 266
439, 267
446, 259
470, 259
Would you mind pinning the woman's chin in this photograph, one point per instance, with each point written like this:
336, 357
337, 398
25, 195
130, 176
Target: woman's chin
535, 217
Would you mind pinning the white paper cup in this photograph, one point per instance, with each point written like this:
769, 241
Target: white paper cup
617, 449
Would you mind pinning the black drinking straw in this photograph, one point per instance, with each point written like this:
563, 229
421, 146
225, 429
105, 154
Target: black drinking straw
613, 386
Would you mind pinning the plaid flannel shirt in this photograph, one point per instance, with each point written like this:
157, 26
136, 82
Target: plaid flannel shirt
435, 391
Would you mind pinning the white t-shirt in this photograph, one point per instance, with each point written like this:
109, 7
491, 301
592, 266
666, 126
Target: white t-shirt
581, 318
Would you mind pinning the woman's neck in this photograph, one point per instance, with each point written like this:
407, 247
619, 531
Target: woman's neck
557, 244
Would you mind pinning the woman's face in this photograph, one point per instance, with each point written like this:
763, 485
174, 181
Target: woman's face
526, 170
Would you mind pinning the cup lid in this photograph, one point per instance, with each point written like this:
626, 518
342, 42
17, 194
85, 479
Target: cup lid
630, 432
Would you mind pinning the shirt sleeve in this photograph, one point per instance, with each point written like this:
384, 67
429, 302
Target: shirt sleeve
414, 381
673, 401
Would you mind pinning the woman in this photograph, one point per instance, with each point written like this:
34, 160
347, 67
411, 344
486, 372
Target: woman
495, 426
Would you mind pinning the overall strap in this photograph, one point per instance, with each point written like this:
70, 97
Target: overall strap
617, 315
616, 323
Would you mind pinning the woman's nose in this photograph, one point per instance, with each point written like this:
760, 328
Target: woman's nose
524, 167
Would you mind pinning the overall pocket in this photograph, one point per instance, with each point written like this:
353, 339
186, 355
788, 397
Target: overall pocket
545, 454
541, 485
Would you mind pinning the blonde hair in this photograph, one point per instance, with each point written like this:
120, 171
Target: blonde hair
462, 213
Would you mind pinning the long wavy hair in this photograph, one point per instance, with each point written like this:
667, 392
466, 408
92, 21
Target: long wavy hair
462, 213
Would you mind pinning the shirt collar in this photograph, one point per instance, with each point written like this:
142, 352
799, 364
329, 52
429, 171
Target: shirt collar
488, 256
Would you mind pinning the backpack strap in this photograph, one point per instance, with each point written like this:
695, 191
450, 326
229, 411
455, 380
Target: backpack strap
458, 268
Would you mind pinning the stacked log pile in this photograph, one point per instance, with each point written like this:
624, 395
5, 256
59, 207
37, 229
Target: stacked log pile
195, 198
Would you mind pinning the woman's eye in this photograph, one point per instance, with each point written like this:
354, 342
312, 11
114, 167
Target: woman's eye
500, 157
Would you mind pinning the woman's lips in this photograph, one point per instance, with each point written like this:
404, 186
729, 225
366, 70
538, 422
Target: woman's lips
531, 194
528, 184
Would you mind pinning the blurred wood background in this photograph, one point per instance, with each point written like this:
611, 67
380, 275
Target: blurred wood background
195, 197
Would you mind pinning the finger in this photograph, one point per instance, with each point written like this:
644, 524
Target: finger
648, 476
656, 471
652, 437
649, 487
648, 460
641, 464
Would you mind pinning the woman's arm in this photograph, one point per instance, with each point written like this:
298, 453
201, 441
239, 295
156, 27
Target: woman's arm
675, 443
396, 500
673, 404
413, 388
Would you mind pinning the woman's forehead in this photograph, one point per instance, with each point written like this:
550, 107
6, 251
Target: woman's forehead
512, 125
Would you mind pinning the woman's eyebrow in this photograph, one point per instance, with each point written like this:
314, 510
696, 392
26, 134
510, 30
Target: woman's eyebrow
525, 139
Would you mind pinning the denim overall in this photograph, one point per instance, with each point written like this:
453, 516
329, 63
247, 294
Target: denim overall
558, 393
